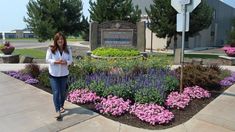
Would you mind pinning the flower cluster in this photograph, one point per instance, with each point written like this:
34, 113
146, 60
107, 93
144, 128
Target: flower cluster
230, 51
31, 81
196, 92
228, 81
7, 45
181, 100
177, 100
23, 77
152, 113
113, 105
225, 83
82, 96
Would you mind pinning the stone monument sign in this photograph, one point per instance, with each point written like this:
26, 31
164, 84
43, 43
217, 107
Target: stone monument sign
117, 34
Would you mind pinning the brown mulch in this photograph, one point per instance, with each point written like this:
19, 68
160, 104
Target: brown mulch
181, 116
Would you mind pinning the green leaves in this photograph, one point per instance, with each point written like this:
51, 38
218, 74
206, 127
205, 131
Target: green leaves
46, 17
148, 95
115, 52
232, 33
163, 18
107, 10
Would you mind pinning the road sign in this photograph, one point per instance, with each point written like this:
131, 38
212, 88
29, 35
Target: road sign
179, 22
184, 2
194, 3
190, 5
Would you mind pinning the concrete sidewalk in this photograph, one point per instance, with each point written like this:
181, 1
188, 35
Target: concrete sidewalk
25, 108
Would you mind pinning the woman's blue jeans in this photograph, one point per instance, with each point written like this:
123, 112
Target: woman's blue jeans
59, 88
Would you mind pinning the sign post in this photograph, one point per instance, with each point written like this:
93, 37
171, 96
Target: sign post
183, 7
182, 51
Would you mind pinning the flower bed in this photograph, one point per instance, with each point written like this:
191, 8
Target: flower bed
141, 96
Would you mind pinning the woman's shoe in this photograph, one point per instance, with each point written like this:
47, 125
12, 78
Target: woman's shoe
58, 115
62, 110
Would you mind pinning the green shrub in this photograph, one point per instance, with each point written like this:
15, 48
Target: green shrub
118, 90
97, 87
44, 78
115, 52
224, 73
171, 83
148, 95
77, 85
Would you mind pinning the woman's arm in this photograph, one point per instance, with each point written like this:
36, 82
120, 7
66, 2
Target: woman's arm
49, 57
70, 60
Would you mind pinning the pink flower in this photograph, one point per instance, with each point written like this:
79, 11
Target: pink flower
113, 106
152, 113
177, 100
196, 92
229, 50
82, 96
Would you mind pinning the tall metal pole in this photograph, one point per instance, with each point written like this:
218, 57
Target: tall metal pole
3, 37
182, 51
151, 41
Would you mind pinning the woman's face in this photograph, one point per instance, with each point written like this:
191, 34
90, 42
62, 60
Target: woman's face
60, 41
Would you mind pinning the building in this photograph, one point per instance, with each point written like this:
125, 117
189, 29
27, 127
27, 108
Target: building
17, 34
216, 35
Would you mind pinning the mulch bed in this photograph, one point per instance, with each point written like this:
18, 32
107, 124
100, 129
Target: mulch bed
181, 116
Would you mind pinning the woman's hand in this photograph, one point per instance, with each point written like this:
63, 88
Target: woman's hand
62, 62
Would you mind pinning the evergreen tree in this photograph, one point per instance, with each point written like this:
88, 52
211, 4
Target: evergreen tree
232, 34
106, 10
163, 19
46, 17
85, 30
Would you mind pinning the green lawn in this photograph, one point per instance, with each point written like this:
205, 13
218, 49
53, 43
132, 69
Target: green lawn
202, 56
71, 39
36, 53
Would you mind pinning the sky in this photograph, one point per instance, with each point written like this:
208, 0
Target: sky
12, 13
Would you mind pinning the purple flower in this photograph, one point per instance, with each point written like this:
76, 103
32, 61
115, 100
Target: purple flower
226, 83
31, 81
23, 77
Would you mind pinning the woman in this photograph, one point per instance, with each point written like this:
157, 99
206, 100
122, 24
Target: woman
59, 57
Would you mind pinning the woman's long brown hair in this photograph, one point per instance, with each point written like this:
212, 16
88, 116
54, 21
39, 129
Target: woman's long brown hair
55, 46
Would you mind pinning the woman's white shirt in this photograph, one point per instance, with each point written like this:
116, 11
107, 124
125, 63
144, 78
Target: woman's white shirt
58, 70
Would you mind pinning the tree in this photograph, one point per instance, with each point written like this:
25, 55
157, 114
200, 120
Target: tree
106, 10
85, 30
163, 19
232, 33
46, 17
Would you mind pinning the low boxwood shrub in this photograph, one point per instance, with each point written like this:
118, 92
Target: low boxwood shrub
115, 52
